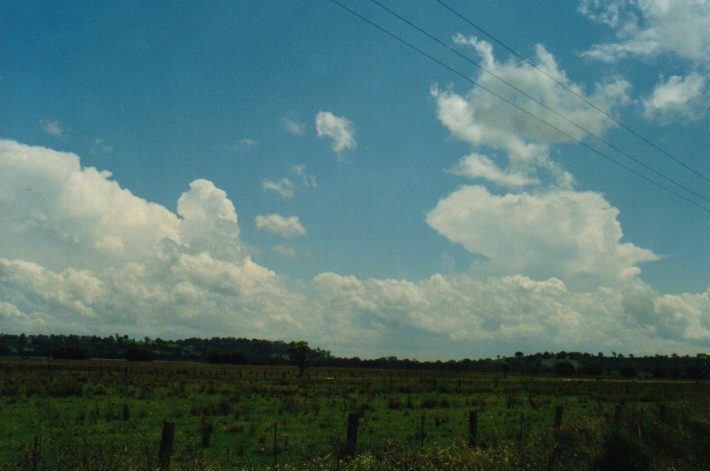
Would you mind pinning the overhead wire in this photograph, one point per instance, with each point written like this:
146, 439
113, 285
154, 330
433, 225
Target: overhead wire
542, 104
576, 94
516, 106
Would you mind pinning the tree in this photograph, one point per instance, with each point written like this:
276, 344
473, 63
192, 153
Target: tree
299, 352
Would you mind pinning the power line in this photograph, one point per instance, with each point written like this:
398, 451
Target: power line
579, 96
505, 100
540, 103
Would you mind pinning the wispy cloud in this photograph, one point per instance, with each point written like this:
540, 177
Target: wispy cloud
52, 127
101, 147
284, 187
280, 225
296, 128
248, 143
338, 129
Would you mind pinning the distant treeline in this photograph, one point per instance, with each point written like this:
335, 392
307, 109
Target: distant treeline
267, 352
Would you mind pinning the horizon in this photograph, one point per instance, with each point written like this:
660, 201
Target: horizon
287, 170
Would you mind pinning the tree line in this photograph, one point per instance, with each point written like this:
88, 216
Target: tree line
231, 350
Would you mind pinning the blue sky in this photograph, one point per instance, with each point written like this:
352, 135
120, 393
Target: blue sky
285, 170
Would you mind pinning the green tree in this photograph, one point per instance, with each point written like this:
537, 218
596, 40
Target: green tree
298, 352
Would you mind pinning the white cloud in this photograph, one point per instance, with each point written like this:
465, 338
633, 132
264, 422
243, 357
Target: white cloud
284, 187
286, 251
676, 96
248, 143
463, 313
52, 127
481, 119
101, 147
649, 28
79, 254
480, 166
294, 127
307, 180
280, 225
338, 129
572, 235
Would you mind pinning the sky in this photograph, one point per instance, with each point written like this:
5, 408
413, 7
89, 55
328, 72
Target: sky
285, 170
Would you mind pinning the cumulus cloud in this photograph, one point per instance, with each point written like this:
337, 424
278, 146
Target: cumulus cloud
572, 235
338, 129
651, 29
480, 118
464, 313
280, 225
80, 254
677, 96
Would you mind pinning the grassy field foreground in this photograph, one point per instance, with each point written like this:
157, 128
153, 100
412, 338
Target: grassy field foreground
109, 415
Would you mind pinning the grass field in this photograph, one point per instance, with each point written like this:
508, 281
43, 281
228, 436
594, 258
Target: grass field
106, 415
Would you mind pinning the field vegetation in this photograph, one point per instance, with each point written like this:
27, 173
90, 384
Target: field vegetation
110, 414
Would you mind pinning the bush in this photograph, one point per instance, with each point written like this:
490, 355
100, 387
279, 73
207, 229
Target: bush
234, 357
627, 370
591, 369
622, 451
565, 368
4, 349
71, 352
139, 353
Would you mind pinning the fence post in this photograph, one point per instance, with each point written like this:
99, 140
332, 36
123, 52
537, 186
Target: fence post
35, 454
166, 446
617, 412
662, 412
472, 429
276, 450
353, 419
559, 410
421, 433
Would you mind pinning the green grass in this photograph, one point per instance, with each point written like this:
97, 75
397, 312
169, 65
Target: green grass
108, 415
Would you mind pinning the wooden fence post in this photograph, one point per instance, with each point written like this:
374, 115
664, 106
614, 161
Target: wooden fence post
166, 446
473, 429
353, 418
421, 433
559, 411
276, 450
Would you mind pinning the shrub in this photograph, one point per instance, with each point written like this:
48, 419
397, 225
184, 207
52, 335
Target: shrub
234, 357
627, 370
622, 451
564, 368
71, 352
139, 353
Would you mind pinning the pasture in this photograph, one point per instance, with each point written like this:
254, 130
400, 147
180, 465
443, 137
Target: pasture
110, 415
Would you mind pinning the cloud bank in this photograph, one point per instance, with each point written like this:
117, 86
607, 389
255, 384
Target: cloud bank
81, 254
